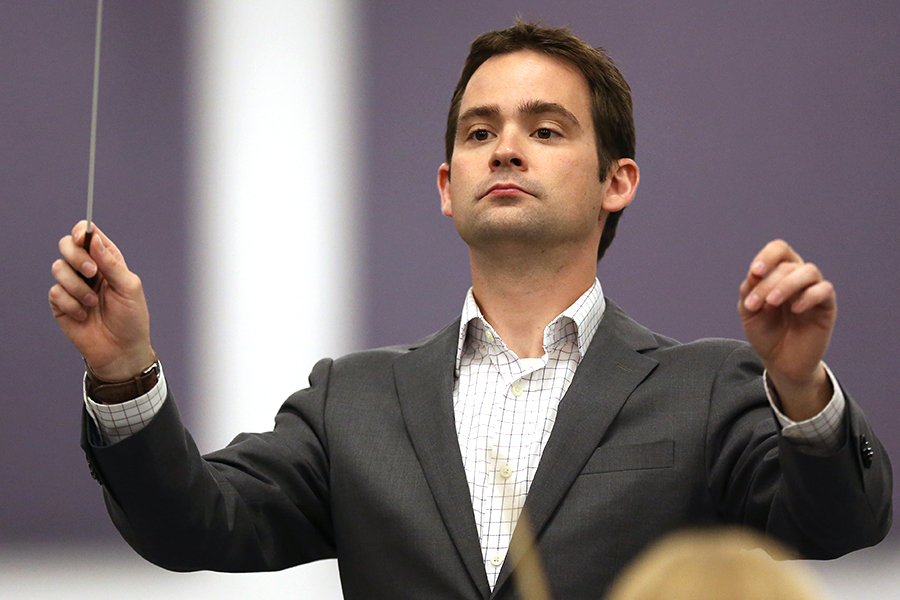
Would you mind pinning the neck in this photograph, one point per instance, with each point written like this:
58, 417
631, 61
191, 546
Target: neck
520, 296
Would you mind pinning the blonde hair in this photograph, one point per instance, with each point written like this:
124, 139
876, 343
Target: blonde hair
718, 564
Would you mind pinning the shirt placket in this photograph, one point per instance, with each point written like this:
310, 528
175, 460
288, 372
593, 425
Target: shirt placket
508, 459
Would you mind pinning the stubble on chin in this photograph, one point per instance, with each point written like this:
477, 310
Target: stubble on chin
508, 225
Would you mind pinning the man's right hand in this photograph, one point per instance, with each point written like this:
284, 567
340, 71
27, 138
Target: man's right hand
109, 325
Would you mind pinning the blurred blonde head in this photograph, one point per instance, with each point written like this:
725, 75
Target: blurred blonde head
715, 565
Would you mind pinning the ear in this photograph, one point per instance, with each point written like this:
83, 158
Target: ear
443, 185
623, 182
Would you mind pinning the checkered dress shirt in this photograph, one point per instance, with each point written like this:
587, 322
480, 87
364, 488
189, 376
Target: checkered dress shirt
505, 407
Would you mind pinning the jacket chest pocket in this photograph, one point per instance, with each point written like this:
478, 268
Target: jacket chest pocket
632, 457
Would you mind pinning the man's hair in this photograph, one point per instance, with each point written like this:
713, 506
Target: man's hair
716, 564
611, 109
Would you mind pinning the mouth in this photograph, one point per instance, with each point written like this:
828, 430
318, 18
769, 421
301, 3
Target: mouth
505, 189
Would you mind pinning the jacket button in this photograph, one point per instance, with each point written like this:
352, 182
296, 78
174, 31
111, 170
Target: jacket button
865, 451
91, 469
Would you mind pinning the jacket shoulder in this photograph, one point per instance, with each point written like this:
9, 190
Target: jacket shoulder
385, 356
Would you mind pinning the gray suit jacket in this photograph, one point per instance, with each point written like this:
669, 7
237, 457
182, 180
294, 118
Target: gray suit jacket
365, 465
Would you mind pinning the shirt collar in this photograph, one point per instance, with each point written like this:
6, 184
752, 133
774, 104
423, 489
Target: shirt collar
584, 315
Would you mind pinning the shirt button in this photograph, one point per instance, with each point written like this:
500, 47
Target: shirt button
516, 389
506, 471
496, 559
489, 337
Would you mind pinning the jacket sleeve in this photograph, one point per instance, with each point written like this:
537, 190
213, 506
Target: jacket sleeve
261, 503
823, 506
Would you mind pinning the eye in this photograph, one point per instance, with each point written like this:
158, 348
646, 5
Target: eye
545, 133
480, 135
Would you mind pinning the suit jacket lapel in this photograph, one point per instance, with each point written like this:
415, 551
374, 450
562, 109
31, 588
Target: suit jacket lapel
424, 379
608, 373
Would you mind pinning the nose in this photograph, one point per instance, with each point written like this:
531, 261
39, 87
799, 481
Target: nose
508, 153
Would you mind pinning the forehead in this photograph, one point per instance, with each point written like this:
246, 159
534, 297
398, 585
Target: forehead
509, 80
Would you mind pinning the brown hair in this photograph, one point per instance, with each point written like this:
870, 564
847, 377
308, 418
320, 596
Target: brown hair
727, 564
610, 95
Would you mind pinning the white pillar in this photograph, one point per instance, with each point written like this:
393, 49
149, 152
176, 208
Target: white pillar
274, 267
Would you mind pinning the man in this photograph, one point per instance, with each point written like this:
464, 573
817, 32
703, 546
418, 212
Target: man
544, 427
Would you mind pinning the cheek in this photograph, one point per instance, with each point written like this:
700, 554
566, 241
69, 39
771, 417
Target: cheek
461, 184
573, 179
589, 193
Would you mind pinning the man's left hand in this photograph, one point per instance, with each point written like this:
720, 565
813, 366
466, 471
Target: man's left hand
788, 311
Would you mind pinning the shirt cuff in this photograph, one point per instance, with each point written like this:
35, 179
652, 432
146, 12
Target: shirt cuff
115, 422
820, 435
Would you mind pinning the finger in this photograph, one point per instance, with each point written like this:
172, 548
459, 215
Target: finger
790, 285
773, 254
819, 295
768, 259
79, 233
63, 304
744, 290
74, 285
79, 229
756, 294
77, 256
78, 236
105, 242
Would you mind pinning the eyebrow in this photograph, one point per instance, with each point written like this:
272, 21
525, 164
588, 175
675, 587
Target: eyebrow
488, 111
530, 108
535, 108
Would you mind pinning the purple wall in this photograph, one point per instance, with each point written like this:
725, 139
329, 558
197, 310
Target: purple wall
755, 120
46, 67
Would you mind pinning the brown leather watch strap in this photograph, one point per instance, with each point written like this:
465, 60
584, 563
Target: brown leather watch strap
116, 392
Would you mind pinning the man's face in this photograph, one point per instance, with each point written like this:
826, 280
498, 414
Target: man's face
524, 166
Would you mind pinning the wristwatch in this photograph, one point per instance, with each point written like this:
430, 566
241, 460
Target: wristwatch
115, 392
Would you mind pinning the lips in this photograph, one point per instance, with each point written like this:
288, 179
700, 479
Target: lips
505, 189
